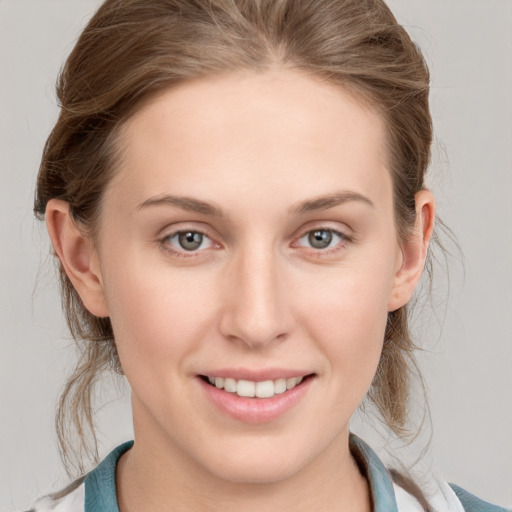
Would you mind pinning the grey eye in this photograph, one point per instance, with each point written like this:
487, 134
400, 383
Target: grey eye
190, 240
320, 239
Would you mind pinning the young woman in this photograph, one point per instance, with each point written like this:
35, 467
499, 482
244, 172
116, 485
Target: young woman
235, 194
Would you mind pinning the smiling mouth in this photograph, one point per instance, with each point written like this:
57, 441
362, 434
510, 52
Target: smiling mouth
252, 389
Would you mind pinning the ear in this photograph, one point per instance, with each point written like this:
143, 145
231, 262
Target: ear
77, 255
413, 252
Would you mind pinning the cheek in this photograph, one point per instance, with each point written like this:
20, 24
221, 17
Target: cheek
347, 314
158, 314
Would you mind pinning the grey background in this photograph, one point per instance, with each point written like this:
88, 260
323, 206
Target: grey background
467, 364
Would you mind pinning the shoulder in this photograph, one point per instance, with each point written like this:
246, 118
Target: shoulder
437, 496
94, 492
70, 499
444, 497
473, 504
392, 491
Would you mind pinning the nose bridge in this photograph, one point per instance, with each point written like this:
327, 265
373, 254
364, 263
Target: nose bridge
257, 310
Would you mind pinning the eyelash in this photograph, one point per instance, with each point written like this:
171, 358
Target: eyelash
343, 240
183, 253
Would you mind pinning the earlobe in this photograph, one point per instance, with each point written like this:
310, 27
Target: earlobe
414, 251
77, 256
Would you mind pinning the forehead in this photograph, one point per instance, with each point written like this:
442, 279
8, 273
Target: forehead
232, 133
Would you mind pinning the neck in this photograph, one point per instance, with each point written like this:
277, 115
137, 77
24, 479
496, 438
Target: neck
151, 478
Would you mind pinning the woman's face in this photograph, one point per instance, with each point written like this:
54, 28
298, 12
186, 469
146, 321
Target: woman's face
249, 237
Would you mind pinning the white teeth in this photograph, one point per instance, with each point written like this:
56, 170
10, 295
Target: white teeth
291, 382
245, 388
265, 389
294, 381
230, 385
248, 388
279, 386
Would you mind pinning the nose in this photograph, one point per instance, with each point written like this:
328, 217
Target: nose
256, 300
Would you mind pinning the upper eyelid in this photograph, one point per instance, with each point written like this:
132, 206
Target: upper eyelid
302, 233
324, 228
185, 230
170, 231
344, 233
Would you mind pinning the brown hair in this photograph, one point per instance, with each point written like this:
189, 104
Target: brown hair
131, 49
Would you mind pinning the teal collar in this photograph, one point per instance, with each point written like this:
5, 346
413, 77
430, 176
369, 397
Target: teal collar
381, 487
100, 484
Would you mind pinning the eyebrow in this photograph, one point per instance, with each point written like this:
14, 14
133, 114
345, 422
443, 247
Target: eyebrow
330, 201
311, 205
185, 203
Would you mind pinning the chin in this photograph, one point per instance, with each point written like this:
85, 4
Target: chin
264, 465
252, 472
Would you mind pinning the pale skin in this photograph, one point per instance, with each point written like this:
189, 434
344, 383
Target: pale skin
252, 154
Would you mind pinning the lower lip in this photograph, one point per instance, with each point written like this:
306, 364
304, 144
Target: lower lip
255, 410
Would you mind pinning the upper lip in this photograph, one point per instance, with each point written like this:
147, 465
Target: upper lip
256, 375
